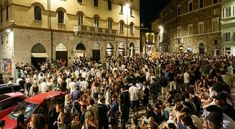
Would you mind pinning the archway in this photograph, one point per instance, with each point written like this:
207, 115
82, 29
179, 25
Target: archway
121, 49
109, 49
38, 55
132, 49
61, 53
201, 48
80, 50
96, 52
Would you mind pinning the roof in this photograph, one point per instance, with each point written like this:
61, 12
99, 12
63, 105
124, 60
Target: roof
10, 95
37, 99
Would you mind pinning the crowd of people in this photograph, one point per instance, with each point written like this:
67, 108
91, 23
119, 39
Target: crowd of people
177, 91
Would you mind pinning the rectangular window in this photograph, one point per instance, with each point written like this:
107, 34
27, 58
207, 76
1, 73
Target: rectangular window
228, 12
190, 6
215, 1
121, 8
121, 27
226, 37
178, 31
1, 13
80, 19
131, 12
80, 1
178, 10
190, 29
110, 24
200, 27
233, 36
201, 3
96, 20
215, 24
96, 3
109, 5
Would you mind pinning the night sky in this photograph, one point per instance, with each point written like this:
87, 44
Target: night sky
150, 9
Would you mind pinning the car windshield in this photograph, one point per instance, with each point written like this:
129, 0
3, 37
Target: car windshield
29, 109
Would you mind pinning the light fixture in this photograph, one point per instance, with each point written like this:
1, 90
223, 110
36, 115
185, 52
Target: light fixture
8, 30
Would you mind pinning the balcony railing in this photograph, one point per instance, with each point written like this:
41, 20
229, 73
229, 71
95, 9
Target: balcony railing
96, 30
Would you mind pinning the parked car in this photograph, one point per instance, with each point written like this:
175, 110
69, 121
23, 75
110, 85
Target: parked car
9, 101
8, 88
39, 104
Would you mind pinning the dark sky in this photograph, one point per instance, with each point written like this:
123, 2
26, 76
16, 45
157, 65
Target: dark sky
150, 9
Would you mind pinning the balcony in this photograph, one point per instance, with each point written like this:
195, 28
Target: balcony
95, 30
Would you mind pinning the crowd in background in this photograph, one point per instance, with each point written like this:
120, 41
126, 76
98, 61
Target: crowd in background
178, 91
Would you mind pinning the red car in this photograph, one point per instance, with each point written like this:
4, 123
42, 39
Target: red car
39, 104
9, 101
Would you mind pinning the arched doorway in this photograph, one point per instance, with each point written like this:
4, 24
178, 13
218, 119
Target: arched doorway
80, 50
96, 52
132, 49
121, 49
38, 55
109, 49
201, 48
61, 53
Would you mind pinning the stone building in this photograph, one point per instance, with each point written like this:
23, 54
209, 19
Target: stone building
228, 26
32, 31
190, 26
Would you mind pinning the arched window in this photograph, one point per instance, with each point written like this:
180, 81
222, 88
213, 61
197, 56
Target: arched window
60, 16
80, 19
96, 21
131, 27
110, 24
121, 26
37, 13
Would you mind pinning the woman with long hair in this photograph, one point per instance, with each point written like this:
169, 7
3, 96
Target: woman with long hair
90, 122
61, 117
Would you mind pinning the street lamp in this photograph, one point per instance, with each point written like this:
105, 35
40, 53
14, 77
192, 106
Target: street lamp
127, 12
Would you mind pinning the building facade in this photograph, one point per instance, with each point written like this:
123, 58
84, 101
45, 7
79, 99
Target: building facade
190, 26
228, 26
32, 31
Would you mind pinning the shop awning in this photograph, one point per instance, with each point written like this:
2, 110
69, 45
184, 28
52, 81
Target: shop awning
39, 55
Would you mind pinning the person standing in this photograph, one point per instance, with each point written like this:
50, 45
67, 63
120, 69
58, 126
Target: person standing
20, 119
102, 113
124, 106
1, 79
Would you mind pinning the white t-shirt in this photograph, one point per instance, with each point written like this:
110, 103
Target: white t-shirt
186, 78
133, 91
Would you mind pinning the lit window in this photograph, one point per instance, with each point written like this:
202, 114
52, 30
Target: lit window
96, 22
228, 12
80, 19
37, 13
60, 16
109, 5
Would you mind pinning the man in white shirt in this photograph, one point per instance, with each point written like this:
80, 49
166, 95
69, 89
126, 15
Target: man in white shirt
72, 86
43, 86
186, 79
134, 98
83, 85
